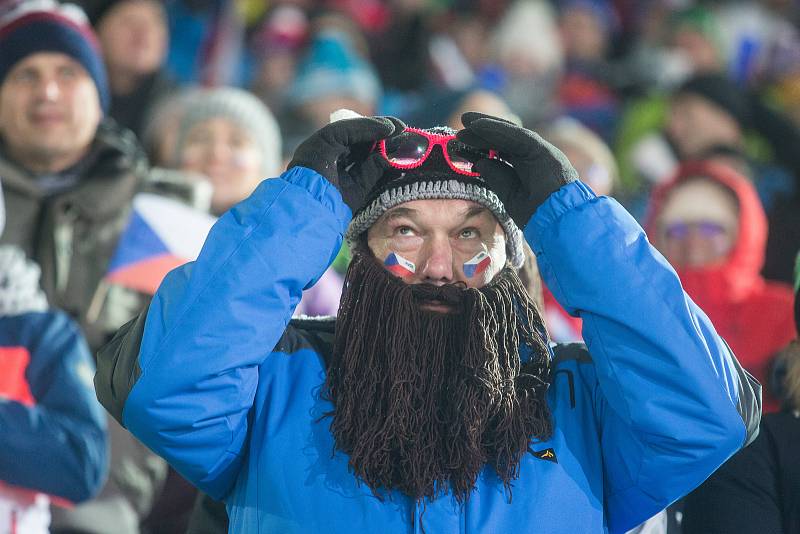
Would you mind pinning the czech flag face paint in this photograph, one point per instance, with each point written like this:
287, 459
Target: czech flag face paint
478, 264
399, 265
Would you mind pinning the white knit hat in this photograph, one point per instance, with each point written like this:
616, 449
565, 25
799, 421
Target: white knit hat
243, 109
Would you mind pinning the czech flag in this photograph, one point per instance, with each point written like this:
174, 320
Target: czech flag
479, 263
399, 265
162, 234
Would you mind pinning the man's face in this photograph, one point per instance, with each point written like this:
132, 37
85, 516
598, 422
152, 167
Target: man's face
426, 364
227, 155
134, 37
441, 238
583, 34
49, 109
695, 125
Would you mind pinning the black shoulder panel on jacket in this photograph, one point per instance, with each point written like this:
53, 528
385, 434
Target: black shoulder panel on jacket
314, 333
571, 351
118, 366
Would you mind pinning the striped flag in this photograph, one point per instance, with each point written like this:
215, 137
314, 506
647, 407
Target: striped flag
162, 234
400, 266
479, 263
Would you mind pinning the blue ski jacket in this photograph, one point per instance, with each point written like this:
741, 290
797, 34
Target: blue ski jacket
52, 430
217, 380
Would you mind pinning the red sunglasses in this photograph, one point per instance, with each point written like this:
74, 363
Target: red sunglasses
410, 148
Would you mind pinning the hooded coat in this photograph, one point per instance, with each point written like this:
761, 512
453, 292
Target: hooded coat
752, 314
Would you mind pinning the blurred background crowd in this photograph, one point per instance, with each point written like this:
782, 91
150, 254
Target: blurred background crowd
128, 126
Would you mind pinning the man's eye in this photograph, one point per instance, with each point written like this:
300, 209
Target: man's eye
468, 233
404, 230
68, 72
25, 76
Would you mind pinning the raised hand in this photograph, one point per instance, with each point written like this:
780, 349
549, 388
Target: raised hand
335, 149
536, 168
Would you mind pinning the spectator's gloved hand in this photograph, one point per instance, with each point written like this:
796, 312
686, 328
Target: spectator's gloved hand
537, 167
340, 152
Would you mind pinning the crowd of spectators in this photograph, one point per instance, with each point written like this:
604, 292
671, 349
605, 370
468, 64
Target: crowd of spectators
686, 112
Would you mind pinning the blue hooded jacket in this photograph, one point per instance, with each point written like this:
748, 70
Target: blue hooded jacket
216, 380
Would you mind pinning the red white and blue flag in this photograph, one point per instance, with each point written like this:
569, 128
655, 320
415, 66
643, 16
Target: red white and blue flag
399, 265
162, 234
479, 263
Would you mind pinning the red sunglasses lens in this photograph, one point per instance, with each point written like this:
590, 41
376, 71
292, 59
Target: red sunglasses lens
460, 157
407, 148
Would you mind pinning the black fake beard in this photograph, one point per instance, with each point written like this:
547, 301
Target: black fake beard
424, 400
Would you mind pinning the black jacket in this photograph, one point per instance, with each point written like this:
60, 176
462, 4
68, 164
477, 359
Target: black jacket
758, 490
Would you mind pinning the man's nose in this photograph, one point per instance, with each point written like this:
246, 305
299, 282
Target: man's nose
49, 89
437, 267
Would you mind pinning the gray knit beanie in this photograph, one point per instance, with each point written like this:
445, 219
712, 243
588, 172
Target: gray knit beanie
243, 109
434, 179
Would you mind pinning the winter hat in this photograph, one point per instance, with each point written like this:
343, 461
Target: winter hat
528, 33
701, 20
602, 10
434, 179
97, 9
242, 109
19, 283
721, 91
568, 132
31, 26
332, 67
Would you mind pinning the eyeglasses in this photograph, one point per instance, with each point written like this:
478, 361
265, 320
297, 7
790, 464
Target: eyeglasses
705, 229
410, 149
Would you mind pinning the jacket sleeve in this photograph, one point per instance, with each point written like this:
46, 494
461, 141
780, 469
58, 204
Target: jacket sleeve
674, 403
58, 445
189, 388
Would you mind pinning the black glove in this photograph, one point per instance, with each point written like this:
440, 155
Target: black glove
340, 152
536, 169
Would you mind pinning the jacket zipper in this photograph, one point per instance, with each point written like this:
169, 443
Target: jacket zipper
64, 235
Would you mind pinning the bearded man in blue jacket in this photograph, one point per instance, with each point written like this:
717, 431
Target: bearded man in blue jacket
434, 402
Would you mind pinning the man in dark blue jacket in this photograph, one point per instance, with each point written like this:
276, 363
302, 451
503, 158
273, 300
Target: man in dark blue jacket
434, 400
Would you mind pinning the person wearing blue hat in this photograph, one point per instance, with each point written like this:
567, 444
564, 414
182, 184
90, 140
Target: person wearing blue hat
68, 173
69, 177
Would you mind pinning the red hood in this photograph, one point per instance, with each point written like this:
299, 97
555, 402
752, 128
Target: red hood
738, 275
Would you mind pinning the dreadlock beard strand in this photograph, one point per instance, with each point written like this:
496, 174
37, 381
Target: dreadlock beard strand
424, 400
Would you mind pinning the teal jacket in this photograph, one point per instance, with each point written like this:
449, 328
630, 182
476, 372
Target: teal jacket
217, 380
